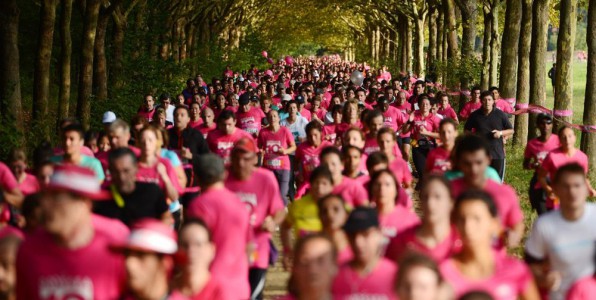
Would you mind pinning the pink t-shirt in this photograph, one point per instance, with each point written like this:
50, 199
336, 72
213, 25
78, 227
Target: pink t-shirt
261, 196
469, 108
341, 129
371, 146
510, 279
103, 158
538, 150
394, 118
399, 168
89, 272
407, 242
228, 222
222, 144
377, 284
504, 106
403, 199
270, 143
504, 196
329, 133
308, 156
205, 130
250, 121
397, 221
306, 114
195, 124
320, 113
583, 289
405, 108
353, 193
438, 161
447, 112
557, 158
148, 115
7, 180
430, 122
345, 255
30, 185
212, 290
150, 174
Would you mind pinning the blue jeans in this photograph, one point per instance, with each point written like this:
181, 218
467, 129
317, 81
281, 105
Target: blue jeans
283, 180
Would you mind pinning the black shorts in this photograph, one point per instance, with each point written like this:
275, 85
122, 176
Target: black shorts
403, 140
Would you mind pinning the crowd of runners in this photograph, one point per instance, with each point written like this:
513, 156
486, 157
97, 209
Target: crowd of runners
363, 174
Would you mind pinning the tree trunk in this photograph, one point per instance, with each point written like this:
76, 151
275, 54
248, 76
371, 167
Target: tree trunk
86, 73
565, 43
41, 80
388, 42
65, 58
432, 37
409, 41
450, 25
100, 71
440, 40
484, 79
401, 53
520, 137
419, 46
378, 44
118, 45
588, 143
509, 49
10, 81
538, 59
469, 13
495, 45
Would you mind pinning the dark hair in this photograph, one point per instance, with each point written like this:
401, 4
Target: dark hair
17, 154
226, 115
375, 113
568, 169
486, 94
386, 130
118, 153
420, 82
477, 195
164, 96
470, 143
321, 172
413, 260
448, 121
435, 177
312, 125
299, 248
196, 221
329, 197
336, 109
476, 295
560, 131
209, 169
76, 128
493, 88
346, 150
376, 158
91, 135
476, 88
375, 176
423, 97
330, 150
179, 107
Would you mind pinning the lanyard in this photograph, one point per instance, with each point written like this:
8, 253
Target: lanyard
117, 197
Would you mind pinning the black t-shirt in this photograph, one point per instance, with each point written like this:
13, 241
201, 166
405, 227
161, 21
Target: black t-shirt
147, 201
483, 125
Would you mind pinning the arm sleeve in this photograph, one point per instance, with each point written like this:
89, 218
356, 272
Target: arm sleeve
7, 179
470, 124
96, 166
201, 144
506, 123
535, 244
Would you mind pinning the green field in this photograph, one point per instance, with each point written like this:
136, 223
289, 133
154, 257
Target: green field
580, 70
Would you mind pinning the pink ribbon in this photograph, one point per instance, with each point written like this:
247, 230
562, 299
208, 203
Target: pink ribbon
563, 113
522, 105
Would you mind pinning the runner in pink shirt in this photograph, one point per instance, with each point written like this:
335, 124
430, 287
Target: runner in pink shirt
249, 118
439, 159
404, 138
388, 144
307, 156
333, 215
353, 193
314, 267
434, 237
257, 188
394, 219
75, 261
471, 106
478, 266
195, 115
305, 113
196, 251
536, 151
392, 117
208, 122
228, 221
148, 108
221, 141
330, 130
374, 122
276, 143
473, 159
502, 104
445, 108
352, 159
419, 278
119, 136
351, 117
317, 111
27, 183
558, 157
368, 275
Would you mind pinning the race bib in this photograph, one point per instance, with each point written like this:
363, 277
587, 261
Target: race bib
66, 288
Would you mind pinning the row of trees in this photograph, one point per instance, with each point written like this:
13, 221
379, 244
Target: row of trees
80, 57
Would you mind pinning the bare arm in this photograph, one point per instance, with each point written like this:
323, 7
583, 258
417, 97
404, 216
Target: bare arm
14, 197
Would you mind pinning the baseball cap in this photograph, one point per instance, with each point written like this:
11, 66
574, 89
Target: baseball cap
299, 99
77, 180
544, 117
246, 144
361, 218
149, 235
108, 117
244, 99
286, 97
254, 98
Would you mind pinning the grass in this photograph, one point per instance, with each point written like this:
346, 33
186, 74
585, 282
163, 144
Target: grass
579, 73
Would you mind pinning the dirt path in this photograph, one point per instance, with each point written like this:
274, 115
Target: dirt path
277, 278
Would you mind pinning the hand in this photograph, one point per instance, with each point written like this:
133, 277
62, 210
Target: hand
513, 239
268, 224
423, 131
552, 280
411, 119
592, 192
185, 153
287, 260
282, 151
497, 134
161, 170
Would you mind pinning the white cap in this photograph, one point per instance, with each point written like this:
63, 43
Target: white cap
108, 117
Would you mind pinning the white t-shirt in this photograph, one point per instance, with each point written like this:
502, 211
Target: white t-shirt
296, 128
170, 113
569, 246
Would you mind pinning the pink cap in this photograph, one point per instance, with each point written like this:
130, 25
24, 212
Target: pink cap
78, 180
150, 235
